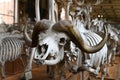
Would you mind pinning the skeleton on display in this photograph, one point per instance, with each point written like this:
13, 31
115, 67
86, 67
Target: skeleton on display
112, 44
49, 45
11, 48
94, 59
80, 27
74, 3
3, 27
112, 38
97, 25
118, 47
8, 28
49, 40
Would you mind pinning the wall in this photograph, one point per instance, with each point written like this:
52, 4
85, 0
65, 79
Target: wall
7, 11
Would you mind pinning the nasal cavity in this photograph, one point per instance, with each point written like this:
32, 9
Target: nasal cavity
42, 48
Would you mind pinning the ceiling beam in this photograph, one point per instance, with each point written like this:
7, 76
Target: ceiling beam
113, 11
105, 8
110, 1
107, 4
104, 12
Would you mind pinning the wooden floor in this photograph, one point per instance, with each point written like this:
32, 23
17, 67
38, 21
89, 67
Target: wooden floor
40, 74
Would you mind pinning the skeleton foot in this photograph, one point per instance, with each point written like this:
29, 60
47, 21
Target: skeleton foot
3, 78
95, 73
73, 69
112, 64
89, 78
62, 78
107, 75
26, 76
51, 75
22, 77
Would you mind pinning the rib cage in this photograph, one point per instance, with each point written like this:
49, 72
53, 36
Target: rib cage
11, 48
101, 55
93, 39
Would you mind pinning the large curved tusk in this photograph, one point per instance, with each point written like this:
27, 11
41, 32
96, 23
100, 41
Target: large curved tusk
68, 28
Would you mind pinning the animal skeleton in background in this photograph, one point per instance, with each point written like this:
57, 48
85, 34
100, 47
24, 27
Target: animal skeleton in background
118, 46
11, 48
4, 27
81, 2
112, 38
97, 25
97, 59
92, 39
74, 3
112, 44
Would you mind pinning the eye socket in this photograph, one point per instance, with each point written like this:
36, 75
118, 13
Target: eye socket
62, 41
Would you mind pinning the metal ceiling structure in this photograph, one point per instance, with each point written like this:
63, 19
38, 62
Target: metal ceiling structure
108, 9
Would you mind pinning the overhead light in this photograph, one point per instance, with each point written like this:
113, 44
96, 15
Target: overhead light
101, 16
98, 15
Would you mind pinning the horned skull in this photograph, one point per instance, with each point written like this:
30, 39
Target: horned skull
49, 44
50, 49
50, 38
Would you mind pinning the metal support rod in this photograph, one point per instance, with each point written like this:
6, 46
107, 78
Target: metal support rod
15, 11
82, 75
37, 10
52, 10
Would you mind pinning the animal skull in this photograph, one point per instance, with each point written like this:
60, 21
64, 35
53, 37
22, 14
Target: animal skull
50, 49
